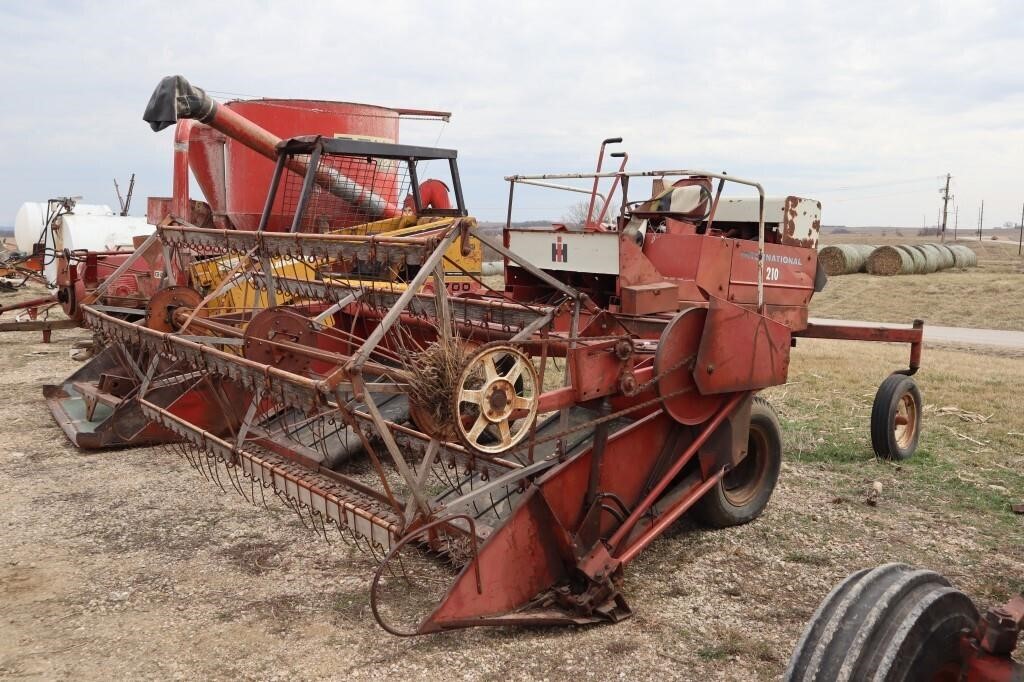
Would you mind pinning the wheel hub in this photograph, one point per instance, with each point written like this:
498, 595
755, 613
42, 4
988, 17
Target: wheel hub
905, 422
499, 396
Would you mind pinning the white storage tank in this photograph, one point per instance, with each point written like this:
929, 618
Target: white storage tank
84, 232
31, 219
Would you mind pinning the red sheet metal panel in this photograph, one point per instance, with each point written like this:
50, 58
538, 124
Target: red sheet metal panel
740, 350
788, 274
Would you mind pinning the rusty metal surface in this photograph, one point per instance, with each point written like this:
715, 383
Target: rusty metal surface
763, 362
646, 299
801, 222
988, 651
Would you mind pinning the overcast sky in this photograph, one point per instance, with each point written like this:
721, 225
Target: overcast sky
863, 105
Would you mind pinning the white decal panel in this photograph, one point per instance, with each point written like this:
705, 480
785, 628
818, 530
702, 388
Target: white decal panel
596, 252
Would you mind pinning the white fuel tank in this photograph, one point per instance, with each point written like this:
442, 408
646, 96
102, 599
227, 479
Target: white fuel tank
31, 219
78, 232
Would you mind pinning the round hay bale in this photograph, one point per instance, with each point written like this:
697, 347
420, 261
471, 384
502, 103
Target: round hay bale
963, 256
931, 258
844, 259
948, 259
888, 260
915, 255
945, 257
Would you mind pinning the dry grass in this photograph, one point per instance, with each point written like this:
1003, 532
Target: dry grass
970, 298
433, 380
988, 296
963, 467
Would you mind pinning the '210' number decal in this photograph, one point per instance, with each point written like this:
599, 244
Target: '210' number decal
771, 274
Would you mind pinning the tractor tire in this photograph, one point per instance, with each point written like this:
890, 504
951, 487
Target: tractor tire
896, 418
889, 624
743, 492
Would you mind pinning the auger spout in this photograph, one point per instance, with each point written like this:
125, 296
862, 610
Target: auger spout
176, 99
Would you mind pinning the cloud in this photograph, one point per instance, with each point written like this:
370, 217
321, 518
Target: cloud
805, 99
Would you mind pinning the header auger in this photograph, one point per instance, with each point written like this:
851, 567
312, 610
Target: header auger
349, 383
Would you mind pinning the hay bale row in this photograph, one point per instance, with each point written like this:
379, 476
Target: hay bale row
889, 260
932, 258
943, 256
919, 259
845, 259
963, 257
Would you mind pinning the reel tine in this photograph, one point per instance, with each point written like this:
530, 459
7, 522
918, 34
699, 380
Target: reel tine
232, 472
212, 462
313, 514
293, 505
195, 455
263, 495
323, 526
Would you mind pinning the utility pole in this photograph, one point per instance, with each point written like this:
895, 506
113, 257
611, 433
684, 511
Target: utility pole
945, 204
1020, 239
981, 218
956, 220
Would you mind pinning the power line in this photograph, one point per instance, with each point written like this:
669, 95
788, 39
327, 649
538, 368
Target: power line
930, 178
871, 196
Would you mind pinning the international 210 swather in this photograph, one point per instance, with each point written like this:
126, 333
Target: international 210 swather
505, 452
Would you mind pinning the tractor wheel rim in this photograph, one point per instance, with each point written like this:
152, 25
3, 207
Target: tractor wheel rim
904, 425
743, 482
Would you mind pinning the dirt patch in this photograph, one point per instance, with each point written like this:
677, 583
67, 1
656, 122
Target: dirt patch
256, 558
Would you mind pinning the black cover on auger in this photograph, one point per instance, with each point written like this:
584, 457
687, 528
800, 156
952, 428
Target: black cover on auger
174, 98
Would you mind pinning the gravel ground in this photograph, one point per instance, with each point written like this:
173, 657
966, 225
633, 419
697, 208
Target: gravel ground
129, 565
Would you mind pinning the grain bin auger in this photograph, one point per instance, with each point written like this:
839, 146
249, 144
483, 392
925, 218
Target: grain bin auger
229, 149
409, 420
176, 99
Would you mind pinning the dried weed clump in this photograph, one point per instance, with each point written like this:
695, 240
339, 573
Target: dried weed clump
434, 377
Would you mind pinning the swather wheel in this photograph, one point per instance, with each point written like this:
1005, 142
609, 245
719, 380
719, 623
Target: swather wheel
896, 418
743, 492
889, 624
498, 388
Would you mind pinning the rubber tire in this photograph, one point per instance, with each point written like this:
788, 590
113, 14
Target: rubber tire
889, 624
883, 411
715, 509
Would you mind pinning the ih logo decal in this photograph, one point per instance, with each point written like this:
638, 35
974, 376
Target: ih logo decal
559, 251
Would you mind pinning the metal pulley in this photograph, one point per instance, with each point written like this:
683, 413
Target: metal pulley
673, 368
165, 302
270, 330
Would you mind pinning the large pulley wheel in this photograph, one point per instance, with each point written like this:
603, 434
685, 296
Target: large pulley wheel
889, 624
896, 418
269, 334
496, 399
162, 306
673, 369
